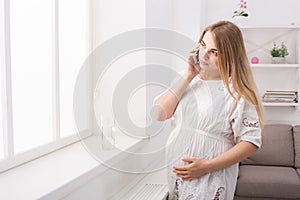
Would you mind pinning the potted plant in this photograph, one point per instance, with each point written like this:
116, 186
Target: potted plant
241, 13
278, 53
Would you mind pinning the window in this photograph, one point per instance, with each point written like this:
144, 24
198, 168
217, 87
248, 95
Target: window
72, 53
1, 72
43, 46
31, 71
1, 126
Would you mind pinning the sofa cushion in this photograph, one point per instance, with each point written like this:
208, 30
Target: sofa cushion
298, 171
251, 198
268, 182
296, 131
277, 147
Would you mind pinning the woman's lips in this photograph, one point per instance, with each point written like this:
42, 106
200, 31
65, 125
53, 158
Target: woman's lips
202, 62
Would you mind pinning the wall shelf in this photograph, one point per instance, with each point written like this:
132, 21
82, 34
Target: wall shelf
270, 27
282, 77
280, 104
275, 66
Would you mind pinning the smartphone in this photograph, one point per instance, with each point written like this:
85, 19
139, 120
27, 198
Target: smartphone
196, 60
196, 57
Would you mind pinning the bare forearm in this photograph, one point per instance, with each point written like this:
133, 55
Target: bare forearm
166, 104
234, 155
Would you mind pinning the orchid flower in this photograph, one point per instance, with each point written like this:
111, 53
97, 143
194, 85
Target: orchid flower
242, 9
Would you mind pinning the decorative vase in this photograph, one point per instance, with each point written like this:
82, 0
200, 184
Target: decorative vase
278, 60
240, 20
254, 60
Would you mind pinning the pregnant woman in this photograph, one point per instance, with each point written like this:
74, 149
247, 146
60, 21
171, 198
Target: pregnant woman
221, 117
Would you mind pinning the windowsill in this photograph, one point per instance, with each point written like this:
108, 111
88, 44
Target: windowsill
48, 174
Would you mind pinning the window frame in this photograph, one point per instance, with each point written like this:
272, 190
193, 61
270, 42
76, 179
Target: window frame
11, 160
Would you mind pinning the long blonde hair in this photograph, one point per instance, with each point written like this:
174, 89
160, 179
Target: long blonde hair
233, 62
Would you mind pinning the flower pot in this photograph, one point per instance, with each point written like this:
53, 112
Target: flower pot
278, 60
240, 20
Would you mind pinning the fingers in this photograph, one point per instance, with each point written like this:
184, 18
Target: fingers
186, 178
191, 60
185, 167
191, 159
185, 175
192, 169
181, 168
192, 53
181, 173
184, 171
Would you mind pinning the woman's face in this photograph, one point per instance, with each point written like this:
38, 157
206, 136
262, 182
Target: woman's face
208, 56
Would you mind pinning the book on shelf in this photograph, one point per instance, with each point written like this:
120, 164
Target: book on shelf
281, 92
279, 100
280, 96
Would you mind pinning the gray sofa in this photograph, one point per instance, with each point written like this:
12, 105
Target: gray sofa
273, 172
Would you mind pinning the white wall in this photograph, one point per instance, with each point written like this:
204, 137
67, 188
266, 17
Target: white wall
261, 12
111, 18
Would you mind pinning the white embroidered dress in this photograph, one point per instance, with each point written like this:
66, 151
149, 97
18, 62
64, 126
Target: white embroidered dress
209, 122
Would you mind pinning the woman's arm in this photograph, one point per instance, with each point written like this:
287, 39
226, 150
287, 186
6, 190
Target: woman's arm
166, 104
198, 167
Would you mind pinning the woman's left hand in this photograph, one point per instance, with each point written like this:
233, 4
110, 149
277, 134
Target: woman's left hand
196, 168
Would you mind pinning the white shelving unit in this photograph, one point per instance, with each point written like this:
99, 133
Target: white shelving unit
280, 104
258, 42
275, 66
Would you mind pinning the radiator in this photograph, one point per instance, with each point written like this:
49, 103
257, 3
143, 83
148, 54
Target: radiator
151, 191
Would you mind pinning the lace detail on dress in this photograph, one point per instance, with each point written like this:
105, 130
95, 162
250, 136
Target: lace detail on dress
178, 183
218, 193
246, 122
191, 196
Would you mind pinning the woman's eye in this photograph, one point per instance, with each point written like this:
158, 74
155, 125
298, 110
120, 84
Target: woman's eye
215, 53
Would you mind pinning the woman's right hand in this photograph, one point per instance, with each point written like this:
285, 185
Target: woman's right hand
192, 68
165, 105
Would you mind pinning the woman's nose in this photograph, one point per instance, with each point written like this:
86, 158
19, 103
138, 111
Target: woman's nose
204, 54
